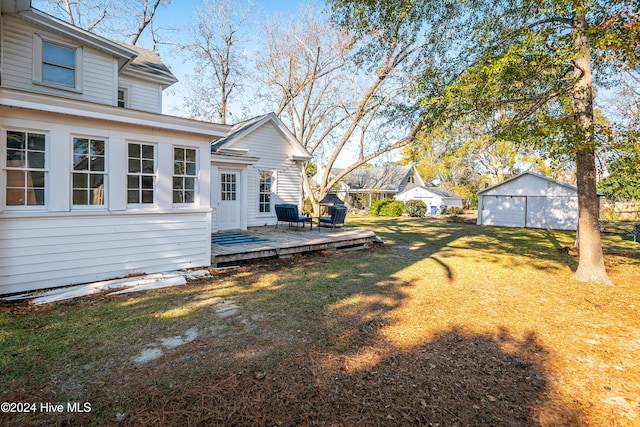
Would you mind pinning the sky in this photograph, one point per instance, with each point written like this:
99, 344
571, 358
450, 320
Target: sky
178, 14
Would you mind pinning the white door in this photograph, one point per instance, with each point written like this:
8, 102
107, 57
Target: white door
229, 201
507, 211
558, 213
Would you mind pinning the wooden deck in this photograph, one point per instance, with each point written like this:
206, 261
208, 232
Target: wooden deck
285, 241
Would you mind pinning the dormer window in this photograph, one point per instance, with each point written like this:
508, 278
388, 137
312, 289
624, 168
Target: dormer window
57, 64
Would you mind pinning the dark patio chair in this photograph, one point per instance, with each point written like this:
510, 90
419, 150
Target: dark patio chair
286, 212
338, 215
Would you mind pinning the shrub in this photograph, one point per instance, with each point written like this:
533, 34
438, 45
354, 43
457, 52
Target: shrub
455, 210
386, 207
415, 208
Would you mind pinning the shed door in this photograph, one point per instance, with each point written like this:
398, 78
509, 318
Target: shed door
507, 211
229, 205
558, 213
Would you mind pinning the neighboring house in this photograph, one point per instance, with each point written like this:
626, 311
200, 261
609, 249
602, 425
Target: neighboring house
431, 196
529, 200
258, 164
95, 182
365, 184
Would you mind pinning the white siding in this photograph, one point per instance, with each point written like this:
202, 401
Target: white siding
59, 244
43, 252
272, 148
98, 77
144, 96
529, 201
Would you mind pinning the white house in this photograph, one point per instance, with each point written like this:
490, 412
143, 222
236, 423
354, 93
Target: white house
368, 183
431, 196
96, 183
258, 164
529, 200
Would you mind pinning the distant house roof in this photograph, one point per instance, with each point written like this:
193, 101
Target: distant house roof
385, 178
239, 130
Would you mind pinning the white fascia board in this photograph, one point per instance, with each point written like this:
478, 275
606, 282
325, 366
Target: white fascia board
154, 78
75, 108
235, 160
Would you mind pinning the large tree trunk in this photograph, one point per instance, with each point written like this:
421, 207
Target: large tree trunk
591, 262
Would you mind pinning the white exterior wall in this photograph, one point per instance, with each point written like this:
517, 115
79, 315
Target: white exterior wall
429, 198
529, 201
59, 244
99, 70
271, 147
144, 96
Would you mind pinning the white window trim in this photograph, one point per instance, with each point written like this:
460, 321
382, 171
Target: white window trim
155, 177
273, 193
196, 189
38, 39
105, 191
3, 179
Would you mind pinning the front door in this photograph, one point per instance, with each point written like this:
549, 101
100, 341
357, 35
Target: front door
229, 206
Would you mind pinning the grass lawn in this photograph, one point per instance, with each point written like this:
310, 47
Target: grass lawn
445, 324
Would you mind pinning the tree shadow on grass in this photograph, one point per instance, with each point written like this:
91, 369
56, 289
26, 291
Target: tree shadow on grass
455, 378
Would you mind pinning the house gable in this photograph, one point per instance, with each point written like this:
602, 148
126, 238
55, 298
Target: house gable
236, 141
530, 184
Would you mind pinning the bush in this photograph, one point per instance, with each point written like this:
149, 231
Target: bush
415, 208
455, 210
386, 207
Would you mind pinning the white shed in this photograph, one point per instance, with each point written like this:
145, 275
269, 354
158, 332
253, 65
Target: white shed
529, 200
431, 196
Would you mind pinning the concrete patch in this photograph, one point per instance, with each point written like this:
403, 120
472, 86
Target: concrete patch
120, 286
147, 355
153, 352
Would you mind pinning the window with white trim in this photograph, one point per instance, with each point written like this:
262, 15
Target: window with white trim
141, 173
122, 97
185, 175
25, 168
89, 173
264, 191
57, 63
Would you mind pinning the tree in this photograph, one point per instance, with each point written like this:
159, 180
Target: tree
110, 18
329, 95
217, 40
529, 63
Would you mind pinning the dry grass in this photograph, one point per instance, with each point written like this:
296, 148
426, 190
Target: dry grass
447, 324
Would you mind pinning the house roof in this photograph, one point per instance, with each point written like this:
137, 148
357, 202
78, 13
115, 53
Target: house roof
513, 178
147, 62
141, 62
386, 178
242, 129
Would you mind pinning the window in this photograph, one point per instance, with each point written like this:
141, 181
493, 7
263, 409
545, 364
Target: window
411, 180
122, 98
264, 203
26, 154
141, 173
228, 186
88, 177
57, 63
184, 174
